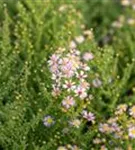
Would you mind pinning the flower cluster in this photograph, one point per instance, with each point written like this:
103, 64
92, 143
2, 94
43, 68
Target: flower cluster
120, 127
70, 73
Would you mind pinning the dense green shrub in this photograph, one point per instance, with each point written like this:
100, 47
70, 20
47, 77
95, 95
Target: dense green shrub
46, 44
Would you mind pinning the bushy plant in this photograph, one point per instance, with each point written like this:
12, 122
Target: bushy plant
59, 89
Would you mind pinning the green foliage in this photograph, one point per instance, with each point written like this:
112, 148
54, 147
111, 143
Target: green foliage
31, 31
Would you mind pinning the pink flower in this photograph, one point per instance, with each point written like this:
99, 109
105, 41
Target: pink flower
85, 67
72, 45
69, 85
81, 92
53, 59
104, 127
131, 132
81, 75
84, 85
67, 72
115, 127
68, 102
56, 91
54, 68
88, 115
88, 56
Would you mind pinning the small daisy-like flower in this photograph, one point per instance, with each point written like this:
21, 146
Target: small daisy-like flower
88, 32
121, 109
104, 127
103, 147
117, 24
76, 123
53, 59
97, 141
115, 127
56, 91
74, 147
131, 132
88, 56
88, 115
125, 2
84, 85
54, 68
80, 92
72, 45
131, 21
133, 6
68, 102
81, 75
67, 72
75, 52
112, 120
80, 39
62, 8
132, 111
85, 67
69, 85
48, 121
97, 83
62, 148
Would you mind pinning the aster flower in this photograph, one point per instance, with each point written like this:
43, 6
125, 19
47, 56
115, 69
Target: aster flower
67, 71
115, 127
48, 121
88, 32
88, 56
131, 132
125, 2
132, 111
72, 45
68, 102
80, 92
69, 85
74, 147
74, 60
62, 8
54, 68
74, 52
62, 148
97, 83
104, 127
81, 75
117, 24
85, 67
84, 85
97, 141
103, 147
53, 59
80, 39
76, 123
88, 115
131, 21
133, 6
121, 109
56, 91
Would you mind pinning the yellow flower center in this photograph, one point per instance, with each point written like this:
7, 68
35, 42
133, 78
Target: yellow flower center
49, 120
133, 131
